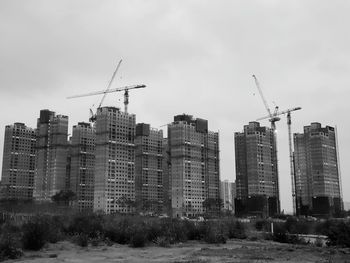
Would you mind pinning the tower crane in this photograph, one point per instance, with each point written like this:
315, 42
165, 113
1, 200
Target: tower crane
291, 156
272, 116
104, 92
92, 114
125, 89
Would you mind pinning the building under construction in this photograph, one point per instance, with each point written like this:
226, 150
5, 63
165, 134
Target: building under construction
82, 165
149, 190
317, 179
256, 173
114, 161
18, 164
227, 195
50, 176
194, 167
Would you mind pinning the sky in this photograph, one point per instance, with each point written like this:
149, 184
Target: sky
196, 57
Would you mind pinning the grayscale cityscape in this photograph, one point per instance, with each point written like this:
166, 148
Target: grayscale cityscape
210, 133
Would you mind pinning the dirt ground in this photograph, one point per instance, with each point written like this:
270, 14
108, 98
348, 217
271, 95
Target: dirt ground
189, 252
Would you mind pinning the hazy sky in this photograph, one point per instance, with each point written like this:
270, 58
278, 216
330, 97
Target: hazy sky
195, 57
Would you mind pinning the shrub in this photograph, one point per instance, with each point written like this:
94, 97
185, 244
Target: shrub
262, 225
319, 242
138, 237
215, 233
89, 224
192, 230
118, 230
162, 241
339, 234
236, 230
153, 229
36, 233
81, 239
9, 248
173, 229
280, 237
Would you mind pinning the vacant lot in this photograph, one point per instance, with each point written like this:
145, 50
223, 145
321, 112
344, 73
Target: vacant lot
190, 252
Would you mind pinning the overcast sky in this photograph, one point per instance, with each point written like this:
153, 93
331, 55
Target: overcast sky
196, 57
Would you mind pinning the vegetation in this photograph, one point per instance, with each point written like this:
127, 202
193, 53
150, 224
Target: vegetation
136, 231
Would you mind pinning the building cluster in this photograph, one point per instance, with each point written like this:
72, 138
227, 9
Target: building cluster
117, 165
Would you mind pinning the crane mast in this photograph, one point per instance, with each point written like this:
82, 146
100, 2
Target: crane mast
291, 156
273, 117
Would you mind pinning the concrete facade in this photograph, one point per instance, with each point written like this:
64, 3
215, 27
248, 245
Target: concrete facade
114, 161
82, 165
317, 180
149, 169
51, 154
18, 162
194, 167
256, 171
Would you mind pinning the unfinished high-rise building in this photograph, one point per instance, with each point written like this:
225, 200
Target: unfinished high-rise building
114, 161
317, 179
227, 194
256, 173
194, 167
18, 164
166, 178
149, 191
82, 165
51, 154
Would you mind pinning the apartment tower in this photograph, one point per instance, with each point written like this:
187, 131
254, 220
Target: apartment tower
227, 193
194, 167
18, 164
114, 161
82, 165
149, 169
51, 154
256, 171
317, 180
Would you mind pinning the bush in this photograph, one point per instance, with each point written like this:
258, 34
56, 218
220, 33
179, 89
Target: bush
192, 230
236, 230
9, 248
298, 226
81, 239
35, 233
215, 233
153, 229
162, 241
339, 234
118, 230
262, 225
89, 224
173, 229
138, 237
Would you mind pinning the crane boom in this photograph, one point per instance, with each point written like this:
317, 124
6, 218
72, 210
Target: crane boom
262, 96
280, 113
109, 91
110, 83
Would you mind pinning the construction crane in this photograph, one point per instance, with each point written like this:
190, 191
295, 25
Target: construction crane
273, 119
272, 116
291, 156
92, 114
125, 89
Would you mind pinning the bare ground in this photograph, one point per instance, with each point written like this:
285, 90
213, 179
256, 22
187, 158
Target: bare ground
189, 252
